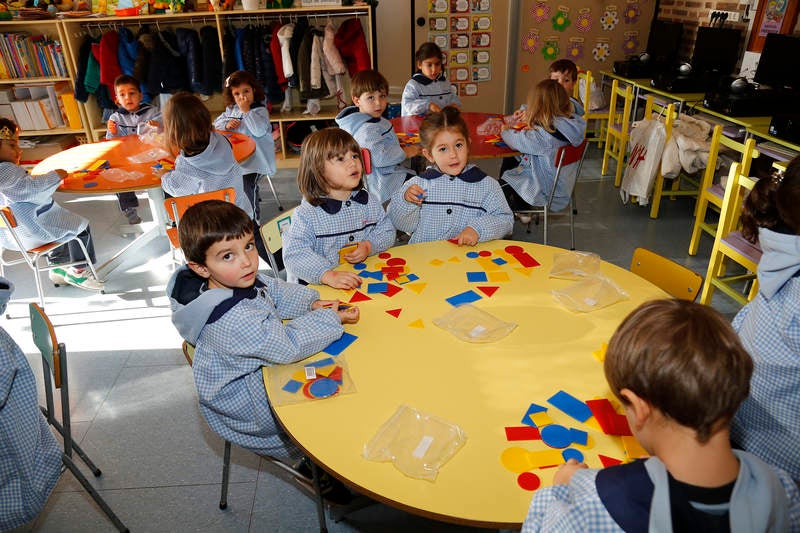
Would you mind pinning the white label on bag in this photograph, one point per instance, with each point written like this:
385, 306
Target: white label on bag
422, 448
311, 372
477, 331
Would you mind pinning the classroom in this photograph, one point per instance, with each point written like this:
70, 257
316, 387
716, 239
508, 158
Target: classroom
437, 265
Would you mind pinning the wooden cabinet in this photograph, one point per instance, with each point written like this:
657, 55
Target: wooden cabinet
71, 32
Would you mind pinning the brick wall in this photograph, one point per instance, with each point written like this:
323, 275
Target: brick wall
694, 13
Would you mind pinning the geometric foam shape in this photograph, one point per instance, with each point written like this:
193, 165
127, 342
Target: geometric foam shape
418, 323
541, 420
497, 277
436, 262
292, 386
545, 458
358, 297
608, 461
633, 450
464, 297
529, 481
522, 433
534, 408
322, 388
488, 291
572, 453
373, 288
556, 436
578, 436
570, 405
394, 312
487, 264
416, 287
337, 346
476, 277
516, 459
392, 289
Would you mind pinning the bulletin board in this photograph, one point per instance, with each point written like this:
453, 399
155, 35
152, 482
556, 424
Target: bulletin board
592, 33
473, 35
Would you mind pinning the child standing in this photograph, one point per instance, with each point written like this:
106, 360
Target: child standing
550, 124
366, 124
40, 220
234, 318
125, 121
769, 326
428, 90
452, 200
680, 372
337, 220
205, 162
247, 113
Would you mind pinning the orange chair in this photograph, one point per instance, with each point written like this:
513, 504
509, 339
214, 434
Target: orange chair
31, 257
178, 205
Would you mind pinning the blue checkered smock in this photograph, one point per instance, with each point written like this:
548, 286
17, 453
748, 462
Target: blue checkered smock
420, 91
40, 220
451, 204
128, 122
30, 457
235, 333
768, 422
311, 244
255, 123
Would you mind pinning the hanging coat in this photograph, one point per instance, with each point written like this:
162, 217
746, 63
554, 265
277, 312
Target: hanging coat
212, 60
352, 45
189, 48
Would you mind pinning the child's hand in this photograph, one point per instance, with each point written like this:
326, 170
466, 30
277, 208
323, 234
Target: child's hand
361, 252
519, 115
112, 127
467, 237
341, 280
412, 150
233, 124
565, 472
434, 108
153, 123
415, 194
349, 315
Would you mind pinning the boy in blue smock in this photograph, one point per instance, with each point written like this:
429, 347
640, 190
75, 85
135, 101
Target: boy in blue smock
365, 122
235, 318
125, 121
681, 373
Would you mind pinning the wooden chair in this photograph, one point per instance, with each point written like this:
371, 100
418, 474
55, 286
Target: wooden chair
31, 257
670, 118
178, 205
272, 235
599, 117
565, 156
675, 279
618, 129
54, 365
730, 245
711, 194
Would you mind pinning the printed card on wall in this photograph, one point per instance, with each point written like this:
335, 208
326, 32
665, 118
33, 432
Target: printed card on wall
480, 57
481, 73
442, 40
458, 58
459, 40
437, 23
481, 22
481, 6
481, 39
459, 23
458, 74
438, 6
459, 6
468, 89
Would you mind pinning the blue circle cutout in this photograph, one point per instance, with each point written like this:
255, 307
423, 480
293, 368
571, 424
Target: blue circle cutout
360, 266
323, 387
572, 453
556, 436
472, 255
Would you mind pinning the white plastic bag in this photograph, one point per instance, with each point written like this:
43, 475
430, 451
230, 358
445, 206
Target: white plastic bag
471, 324
590, 294
575, 265
646, 146
417, 443
597, 99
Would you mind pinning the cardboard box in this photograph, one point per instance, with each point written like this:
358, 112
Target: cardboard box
46, 146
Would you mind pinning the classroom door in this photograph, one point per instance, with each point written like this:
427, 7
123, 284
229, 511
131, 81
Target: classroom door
473, 34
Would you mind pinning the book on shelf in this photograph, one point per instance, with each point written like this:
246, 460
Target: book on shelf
71, 110
6, 111
24, 56
37, 114
24, 120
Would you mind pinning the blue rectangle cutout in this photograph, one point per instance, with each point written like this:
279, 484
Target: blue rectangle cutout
570, 405
477, 277
463, 298
337, 347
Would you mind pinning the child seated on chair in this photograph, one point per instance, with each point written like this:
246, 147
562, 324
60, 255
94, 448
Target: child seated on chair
235, 318
452, 200
366, 124
769, 326
40, 220
680, 372
428, 90
246, 112
125, 121
337, 220
549, 124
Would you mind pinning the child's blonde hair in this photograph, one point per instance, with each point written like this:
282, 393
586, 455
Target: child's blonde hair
319, 147
449, 118
187, 124
546, 101
242, 77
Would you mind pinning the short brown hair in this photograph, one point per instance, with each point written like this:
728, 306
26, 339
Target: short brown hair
427, 51
187, 124
684, 359
241, 77
449, 118
546, 101
367, 81
209, 222
773, 204
317, 148
124, 79
566, 66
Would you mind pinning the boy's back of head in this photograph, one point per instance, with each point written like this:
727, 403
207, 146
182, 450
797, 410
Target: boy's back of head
209, 222
566, 66
368, 81
684, 359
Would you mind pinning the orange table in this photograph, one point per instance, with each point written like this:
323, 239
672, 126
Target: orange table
117, 152
479, 148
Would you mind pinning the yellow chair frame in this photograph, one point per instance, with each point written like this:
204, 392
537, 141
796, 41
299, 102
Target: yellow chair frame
711, 194
675, 279
598, 115
670, 117
729, 244
31, 257
272, 235
618, 129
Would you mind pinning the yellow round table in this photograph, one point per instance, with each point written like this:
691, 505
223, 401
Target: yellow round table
481, 387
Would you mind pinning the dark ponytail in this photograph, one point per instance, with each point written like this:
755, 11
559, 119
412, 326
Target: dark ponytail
774, 203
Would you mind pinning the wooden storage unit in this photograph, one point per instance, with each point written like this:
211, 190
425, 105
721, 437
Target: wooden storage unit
72, 31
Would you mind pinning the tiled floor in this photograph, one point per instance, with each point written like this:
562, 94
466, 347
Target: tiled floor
134, 405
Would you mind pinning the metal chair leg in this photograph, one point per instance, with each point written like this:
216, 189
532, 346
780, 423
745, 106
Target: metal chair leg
226, 470
275, 194
315, 470
70, 464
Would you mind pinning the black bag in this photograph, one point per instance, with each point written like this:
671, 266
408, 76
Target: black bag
296, 132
